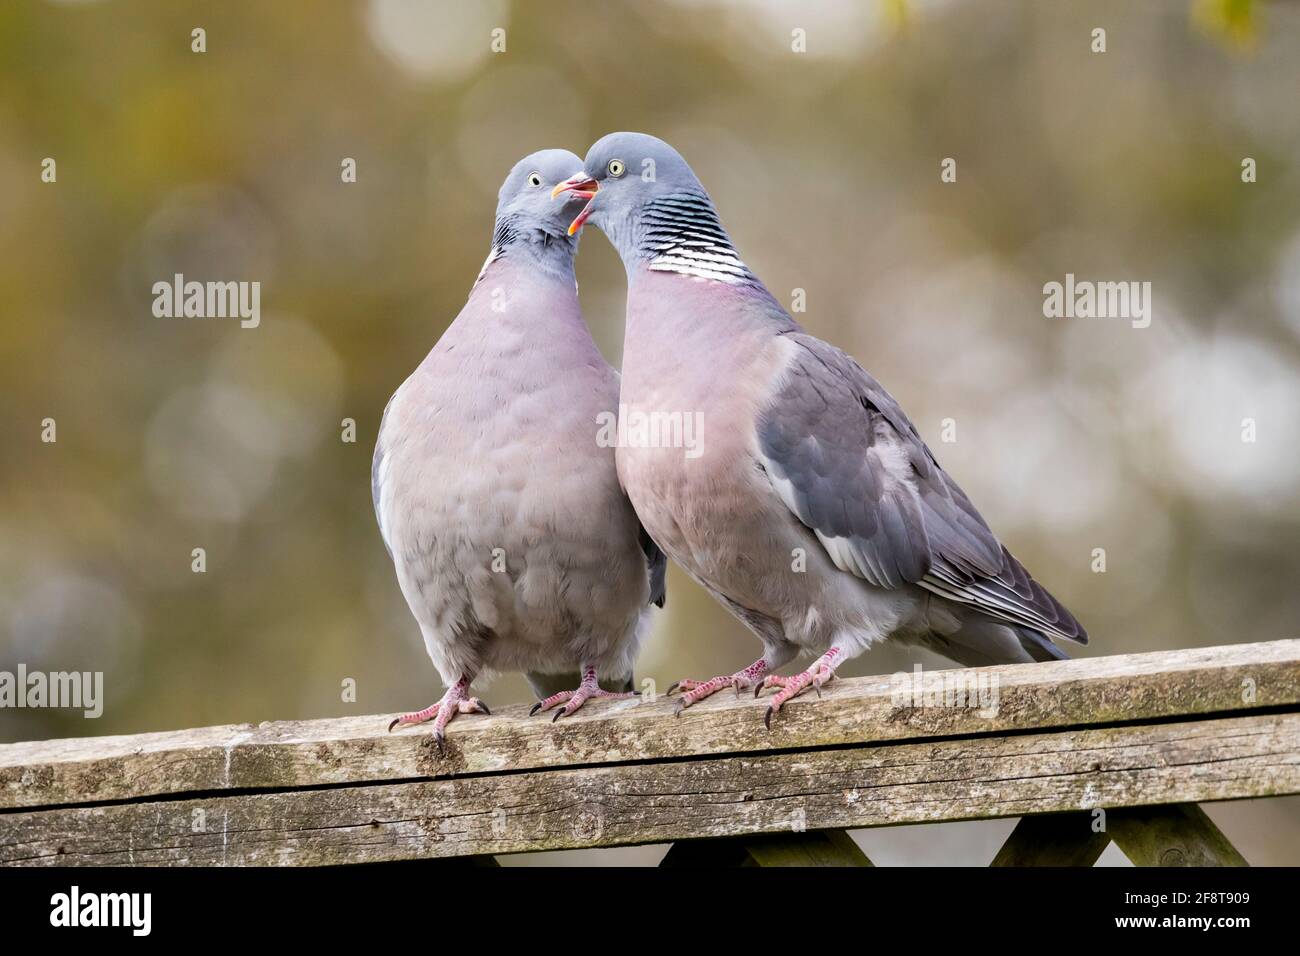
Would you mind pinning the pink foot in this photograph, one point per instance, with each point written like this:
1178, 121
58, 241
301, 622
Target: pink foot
455, 701
589, 689
697, 690
820, 673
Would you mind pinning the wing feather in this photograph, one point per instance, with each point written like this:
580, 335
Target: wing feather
846, 460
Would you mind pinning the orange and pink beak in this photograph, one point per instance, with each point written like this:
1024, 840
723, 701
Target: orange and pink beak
583, 187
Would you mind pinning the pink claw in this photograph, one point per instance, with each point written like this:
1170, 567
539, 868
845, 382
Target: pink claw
455, 701
573, 700
697, 690
821, 672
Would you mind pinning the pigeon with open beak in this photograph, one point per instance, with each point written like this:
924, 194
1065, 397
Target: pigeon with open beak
815, 513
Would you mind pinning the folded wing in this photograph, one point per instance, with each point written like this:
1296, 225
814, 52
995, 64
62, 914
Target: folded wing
847, 462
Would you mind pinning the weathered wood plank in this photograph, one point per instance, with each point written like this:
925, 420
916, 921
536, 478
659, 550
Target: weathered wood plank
358, 750
908, 782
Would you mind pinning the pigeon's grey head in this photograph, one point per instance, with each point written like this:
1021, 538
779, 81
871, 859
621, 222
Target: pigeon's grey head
645, 198
525, 210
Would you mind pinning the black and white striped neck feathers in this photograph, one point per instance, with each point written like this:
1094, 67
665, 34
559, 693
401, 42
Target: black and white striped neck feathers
681, 233
550, 251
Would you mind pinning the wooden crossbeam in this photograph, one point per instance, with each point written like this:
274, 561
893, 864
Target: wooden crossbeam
1174, 835
1054, 839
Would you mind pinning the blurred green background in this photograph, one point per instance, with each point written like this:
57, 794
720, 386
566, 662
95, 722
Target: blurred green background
1072, 434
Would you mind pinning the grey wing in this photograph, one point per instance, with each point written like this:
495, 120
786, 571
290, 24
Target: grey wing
845, 459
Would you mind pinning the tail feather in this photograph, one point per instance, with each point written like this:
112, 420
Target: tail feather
1012, 596
982, 640
1039, 646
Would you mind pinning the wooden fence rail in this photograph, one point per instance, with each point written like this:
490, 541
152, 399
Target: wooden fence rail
1085, 741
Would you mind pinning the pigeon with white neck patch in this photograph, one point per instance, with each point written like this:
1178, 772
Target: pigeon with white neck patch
513, 543
815, 513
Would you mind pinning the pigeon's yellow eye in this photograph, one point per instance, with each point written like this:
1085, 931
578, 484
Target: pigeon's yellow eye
616, 168
534, 179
